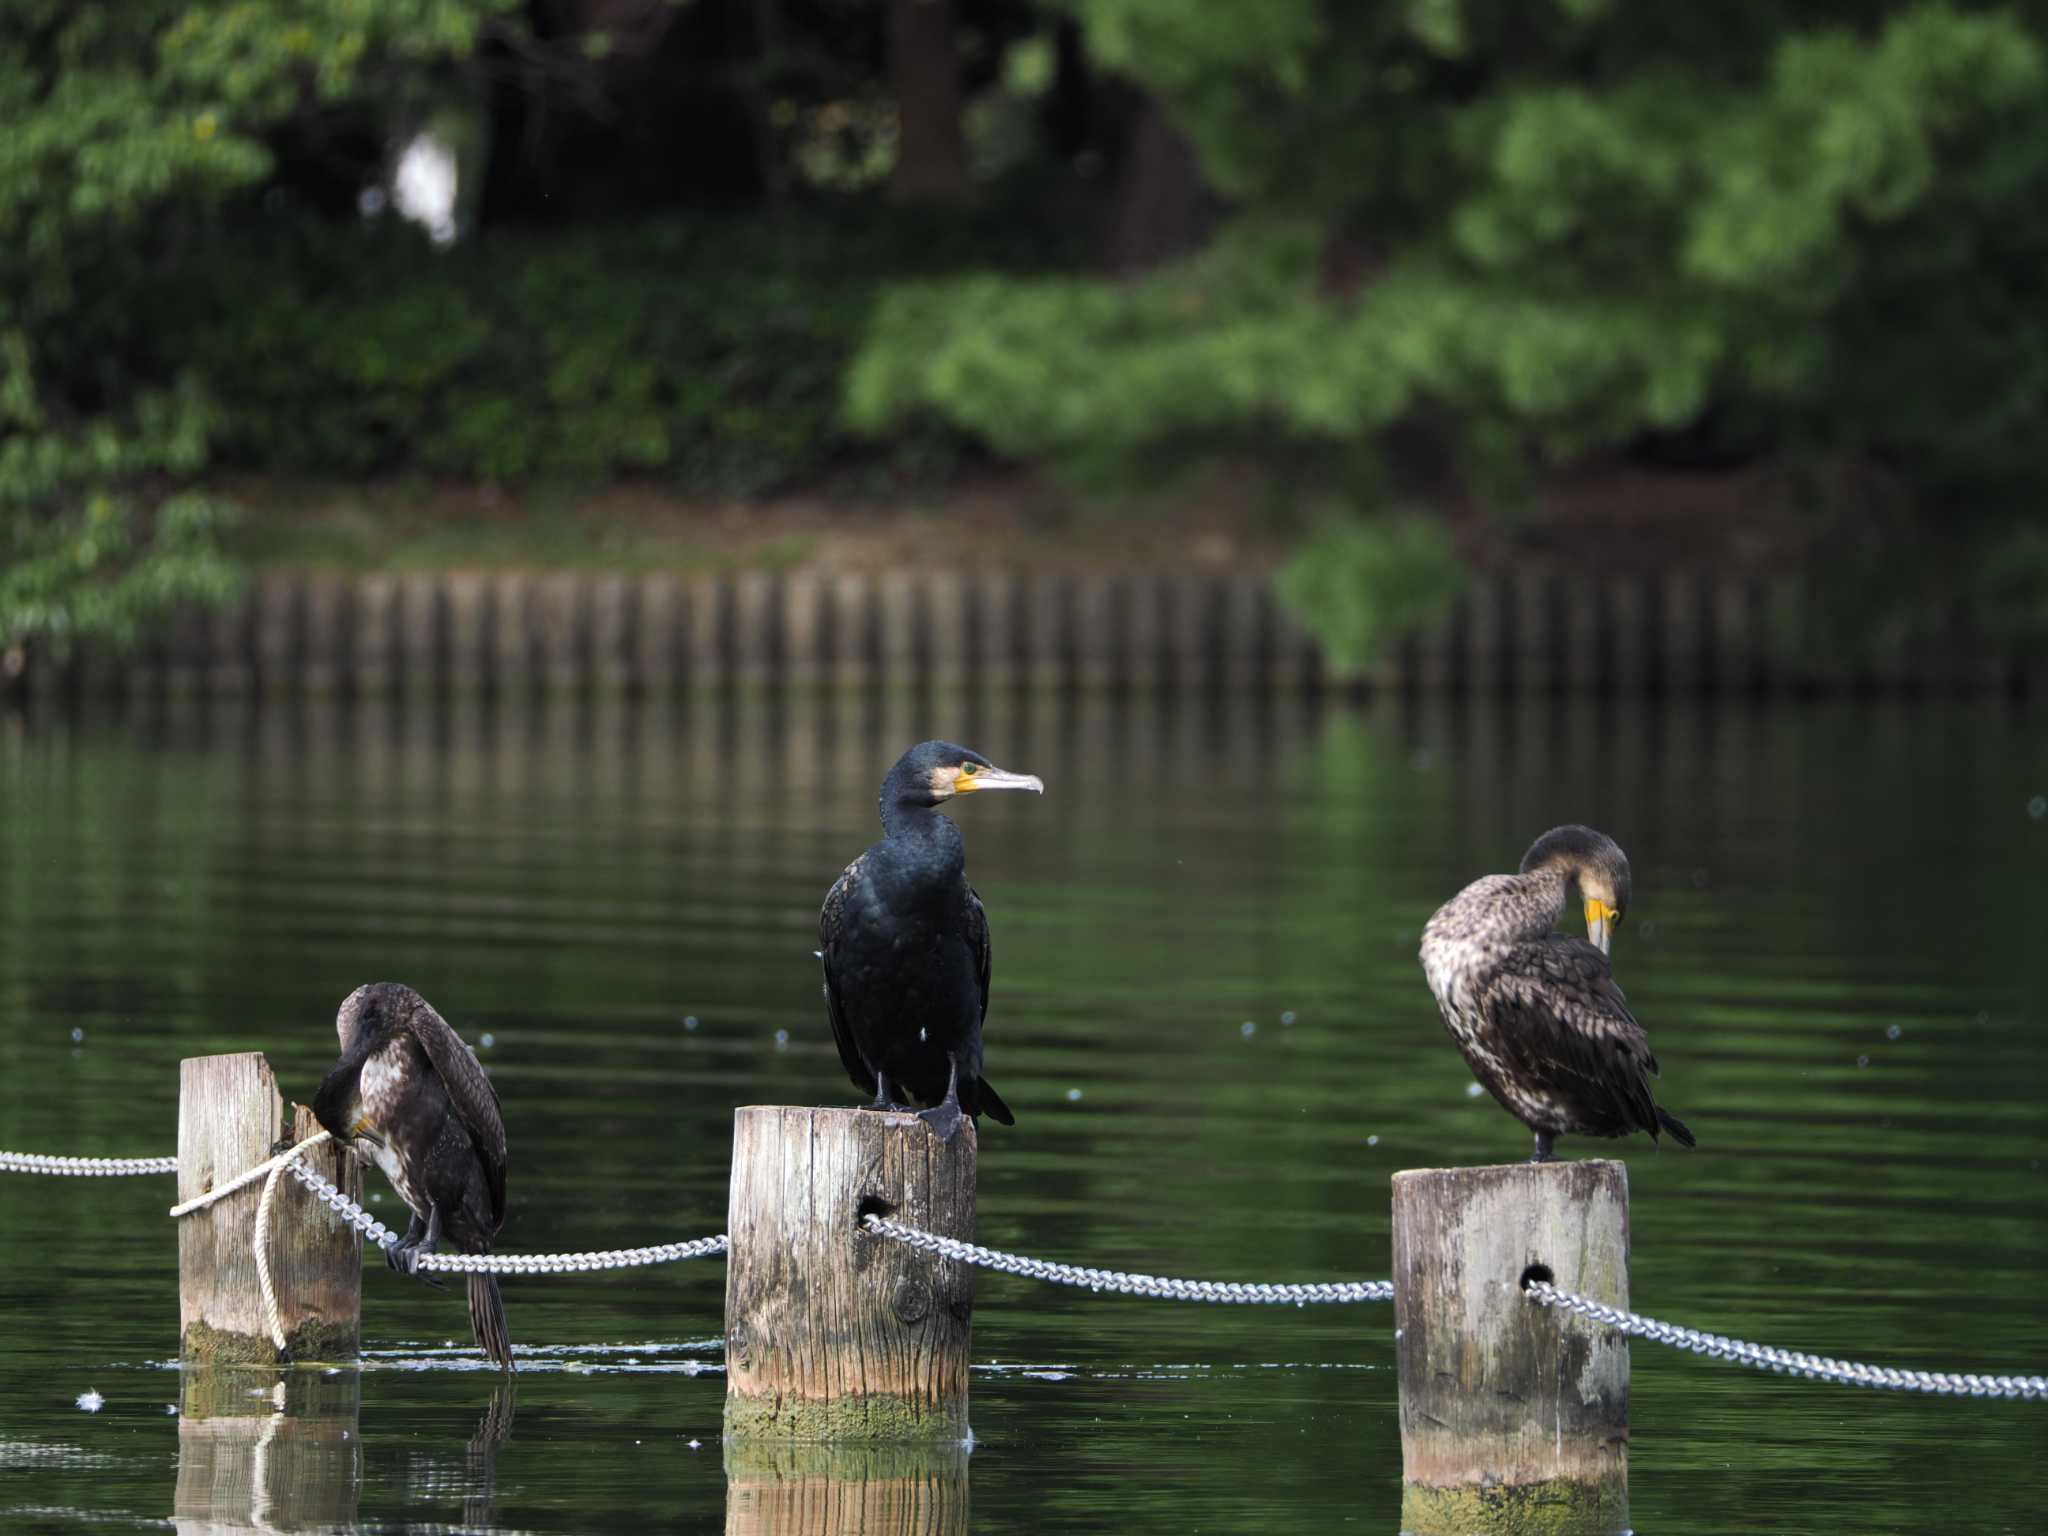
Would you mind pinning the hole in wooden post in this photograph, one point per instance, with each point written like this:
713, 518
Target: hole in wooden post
1537, 1272
871, 1205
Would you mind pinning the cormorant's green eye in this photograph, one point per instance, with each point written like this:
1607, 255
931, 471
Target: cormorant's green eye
967, 770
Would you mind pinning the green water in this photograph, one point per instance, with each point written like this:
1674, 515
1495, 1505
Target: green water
1837, 944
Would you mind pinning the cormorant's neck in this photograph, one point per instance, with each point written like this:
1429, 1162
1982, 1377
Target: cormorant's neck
1547, 889
338, 1088
907, 818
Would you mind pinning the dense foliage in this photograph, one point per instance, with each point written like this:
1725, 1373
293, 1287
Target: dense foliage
128, 125
711, 352
1534, 233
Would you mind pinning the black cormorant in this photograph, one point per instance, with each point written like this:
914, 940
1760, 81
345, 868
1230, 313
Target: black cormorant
1537, 1014
411, 1098
905, 945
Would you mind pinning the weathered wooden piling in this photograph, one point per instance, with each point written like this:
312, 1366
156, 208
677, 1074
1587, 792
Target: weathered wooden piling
832, 1334
778, 1488
1514, 1417
230, 1118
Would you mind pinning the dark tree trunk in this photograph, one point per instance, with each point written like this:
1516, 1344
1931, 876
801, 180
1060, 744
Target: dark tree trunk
924, 70
760, 23
1070, 106
1162, 209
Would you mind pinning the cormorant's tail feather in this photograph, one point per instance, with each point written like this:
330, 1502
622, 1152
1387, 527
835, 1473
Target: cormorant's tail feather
1675, 1126
992, 1104
487, 1319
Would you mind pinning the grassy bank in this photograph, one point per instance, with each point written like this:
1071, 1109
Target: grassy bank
415, 524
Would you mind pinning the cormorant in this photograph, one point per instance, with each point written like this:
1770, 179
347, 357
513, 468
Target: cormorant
411, 1098
905, 946
1538, 1015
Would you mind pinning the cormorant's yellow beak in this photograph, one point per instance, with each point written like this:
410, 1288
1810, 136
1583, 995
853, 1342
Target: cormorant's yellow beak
973, 776
1600, 923
361, 1131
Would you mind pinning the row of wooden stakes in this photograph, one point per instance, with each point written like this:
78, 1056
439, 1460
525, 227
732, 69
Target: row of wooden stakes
1528, 631
835, 1336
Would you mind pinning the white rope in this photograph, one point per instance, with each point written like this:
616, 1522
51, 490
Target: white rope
244, 1179
260, 1243
83, 1167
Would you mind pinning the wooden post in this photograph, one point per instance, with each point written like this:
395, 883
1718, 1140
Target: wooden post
469, 598
831, 1333
658, 642
776, 1488
799, 647
1514, 1417
254, 1459
946, 598
373, 637
229, 1119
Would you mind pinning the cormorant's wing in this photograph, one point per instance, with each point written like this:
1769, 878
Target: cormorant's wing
1559, 1019
977, 940
830, 919
984, 1096
470, 1091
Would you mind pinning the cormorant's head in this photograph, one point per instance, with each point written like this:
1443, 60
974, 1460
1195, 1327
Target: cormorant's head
368, 1018
1593, 862
933, 772
379, 1009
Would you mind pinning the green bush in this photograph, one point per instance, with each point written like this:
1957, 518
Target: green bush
708, 353
1594, 264
1363, 584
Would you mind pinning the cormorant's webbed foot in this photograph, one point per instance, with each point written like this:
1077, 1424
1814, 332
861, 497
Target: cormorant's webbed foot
944, 1117
403, 1255
423, 1236
1543, 1153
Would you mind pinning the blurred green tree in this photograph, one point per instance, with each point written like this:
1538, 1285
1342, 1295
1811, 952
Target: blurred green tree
128, 124
1518, 235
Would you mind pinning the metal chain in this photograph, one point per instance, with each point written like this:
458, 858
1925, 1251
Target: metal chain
1763, 1357
1791, 1362
502, 1263
1129, 1285
83, 1167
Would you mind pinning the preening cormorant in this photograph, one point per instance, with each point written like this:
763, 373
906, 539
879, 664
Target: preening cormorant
905, 945
1538, 1015
409, 1097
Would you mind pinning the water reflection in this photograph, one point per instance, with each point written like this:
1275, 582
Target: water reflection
433, 1480
261, 1451
836, 1490
275, 1452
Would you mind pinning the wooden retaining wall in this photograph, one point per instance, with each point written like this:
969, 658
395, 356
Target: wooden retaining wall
1527, 633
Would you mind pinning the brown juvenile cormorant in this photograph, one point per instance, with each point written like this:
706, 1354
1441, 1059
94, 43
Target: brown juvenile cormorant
905, 946
1537, 1014
411, 1098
